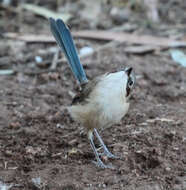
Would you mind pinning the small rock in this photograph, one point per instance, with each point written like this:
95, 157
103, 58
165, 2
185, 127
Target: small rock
86, 51
15, 125
104, 186
119, 15
60, 126
38, 59
8, 153
168, 169
37, 182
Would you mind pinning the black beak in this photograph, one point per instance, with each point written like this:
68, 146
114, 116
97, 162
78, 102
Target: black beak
128, 70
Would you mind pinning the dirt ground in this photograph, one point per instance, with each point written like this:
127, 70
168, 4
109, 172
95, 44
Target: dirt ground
41, 147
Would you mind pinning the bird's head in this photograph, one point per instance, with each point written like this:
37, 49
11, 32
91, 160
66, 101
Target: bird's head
117, 84
130, 80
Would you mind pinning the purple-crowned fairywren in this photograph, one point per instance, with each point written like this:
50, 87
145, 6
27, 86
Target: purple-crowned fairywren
102, 101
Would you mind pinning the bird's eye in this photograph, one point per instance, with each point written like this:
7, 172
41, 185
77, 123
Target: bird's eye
130, 82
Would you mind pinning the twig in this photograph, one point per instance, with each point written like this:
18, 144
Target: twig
55, 60
105, 46
106, 36
53, 67
36, 72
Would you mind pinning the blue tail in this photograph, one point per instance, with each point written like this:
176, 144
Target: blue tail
65, 41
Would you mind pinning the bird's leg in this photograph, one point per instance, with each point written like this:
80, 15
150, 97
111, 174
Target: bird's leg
99, 162
106, 151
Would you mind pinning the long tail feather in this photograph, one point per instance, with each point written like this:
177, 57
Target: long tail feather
65, 41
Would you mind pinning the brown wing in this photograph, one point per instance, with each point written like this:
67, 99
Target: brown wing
82, 96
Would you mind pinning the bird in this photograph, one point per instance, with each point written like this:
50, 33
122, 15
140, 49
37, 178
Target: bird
102, 101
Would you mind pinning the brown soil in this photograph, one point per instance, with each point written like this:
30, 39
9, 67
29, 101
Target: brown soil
38, 139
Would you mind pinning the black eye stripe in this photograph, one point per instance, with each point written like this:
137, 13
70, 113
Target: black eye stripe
130, 82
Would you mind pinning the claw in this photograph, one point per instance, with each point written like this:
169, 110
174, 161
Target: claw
99, 162
101, 165
106, 151
110, 155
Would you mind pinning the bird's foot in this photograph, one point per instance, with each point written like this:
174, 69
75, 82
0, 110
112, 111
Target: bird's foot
109, 155
101, 165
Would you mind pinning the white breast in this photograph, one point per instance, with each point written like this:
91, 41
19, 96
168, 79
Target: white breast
109, 96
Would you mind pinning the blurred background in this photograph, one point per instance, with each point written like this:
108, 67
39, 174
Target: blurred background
20, 19
87, 14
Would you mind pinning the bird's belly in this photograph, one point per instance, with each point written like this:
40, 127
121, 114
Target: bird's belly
98, 115
115, 112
